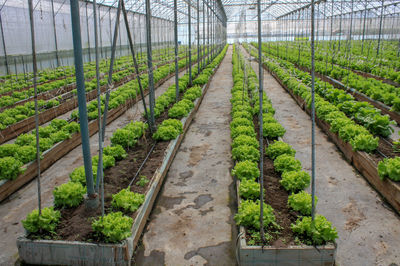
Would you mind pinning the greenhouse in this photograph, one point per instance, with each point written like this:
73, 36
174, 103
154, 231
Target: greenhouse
198, 132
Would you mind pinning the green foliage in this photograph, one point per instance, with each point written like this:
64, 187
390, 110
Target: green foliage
78, 174
108, 161
278, 148
273, 130
245, 140
169, 129
319, 233
46, 222
178, 110
143, 181
364, 142
245, 153
116, 151
301, 202
10, 168
25, 154
240, 121
390, 168
249, 215
246, 170
69, 194
243, 130
249, 189
123, 137
294, 181
59, 136
113, 227
127, 200
285, 162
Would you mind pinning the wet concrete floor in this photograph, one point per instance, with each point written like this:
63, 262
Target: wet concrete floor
191, 222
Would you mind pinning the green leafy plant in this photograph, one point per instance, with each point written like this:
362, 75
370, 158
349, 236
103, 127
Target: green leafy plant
78, 174
46, 222
246, 170
127, 200
389, 168
249, 215
25, 154
285, 162
10, 168
123, 137
243, 130
273, 130
113, 227
364, 142
69, 194
249, 189
278, 148
245, 140
245, 153
143, 181
301, 202
116, 151
319, 233
169, 129
108, 161
294, 181
240, 121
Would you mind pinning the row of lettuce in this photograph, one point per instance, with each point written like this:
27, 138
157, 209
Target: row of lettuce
116, 225
18, 113
57, 77
14, 156
354, 122
245, 152
382, 67
373, 88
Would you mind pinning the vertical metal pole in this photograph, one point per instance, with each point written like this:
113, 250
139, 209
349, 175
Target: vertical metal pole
363, 32
87, 30
204, 36
100, 35
380, 29
4, 46
340, 23
150, 64
208, 33
190, 43
176, 50
80, 84
198, 35
96, 49
260, 121
109, 20
312, 111
55, 32
134, 60
36, 104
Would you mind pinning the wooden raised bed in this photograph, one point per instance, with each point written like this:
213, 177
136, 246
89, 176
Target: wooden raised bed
55, 252
362, 161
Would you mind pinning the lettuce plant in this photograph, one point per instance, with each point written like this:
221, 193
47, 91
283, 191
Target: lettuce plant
113, 227
390, 168
46, 222
294, 181
245, 140
249, 215
317, 233
116, 151
286, 162
243, 130
69, 194
10, 168
301, 202
249, 189
127, 200
278, 148
169, 129
108, 161
78, 174
246, 170
245, 153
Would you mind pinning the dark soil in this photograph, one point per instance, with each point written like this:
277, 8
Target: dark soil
385, 147
75, 223
277, 197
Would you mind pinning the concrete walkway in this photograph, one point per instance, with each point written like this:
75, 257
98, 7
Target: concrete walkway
191, 222
369, 231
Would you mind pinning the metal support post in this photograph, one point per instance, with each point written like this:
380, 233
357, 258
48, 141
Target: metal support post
150, 65
176, 50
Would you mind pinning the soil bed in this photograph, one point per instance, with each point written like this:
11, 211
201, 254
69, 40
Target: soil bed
76, 223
